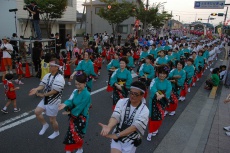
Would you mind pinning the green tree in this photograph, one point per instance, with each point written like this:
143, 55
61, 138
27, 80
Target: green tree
117, 12
151, 16
51, 11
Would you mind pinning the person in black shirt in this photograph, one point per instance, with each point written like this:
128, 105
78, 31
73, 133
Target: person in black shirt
35, 11
58, 44
119, 39
36, 56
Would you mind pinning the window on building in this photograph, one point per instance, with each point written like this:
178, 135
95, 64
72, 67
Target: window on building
123, 29
97, 9
70, 3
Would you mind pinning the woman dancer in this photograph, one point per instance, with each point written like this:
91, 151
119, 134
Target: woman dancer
86, 66
160, 90
78, 107
121, 80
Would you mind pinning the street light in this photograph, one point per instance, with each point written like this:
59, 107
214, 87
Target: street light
179, 17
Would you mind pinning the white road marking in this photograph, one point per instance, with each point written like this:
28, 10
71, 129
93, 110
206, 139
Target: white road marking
3, 128
15, 118
17, 123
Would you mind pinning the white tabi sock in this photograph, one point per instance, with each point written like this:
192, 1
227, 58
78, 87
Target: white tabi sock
44, 128
54, 135
80, 150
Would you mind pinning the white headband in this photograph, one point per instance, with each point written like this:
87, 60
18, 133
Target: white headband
132, 87
53, 64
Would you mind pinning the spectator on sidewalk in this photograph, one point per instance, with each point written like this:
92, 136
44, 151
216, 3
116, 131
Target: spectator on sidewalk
7, 50
69, 46
214, 80
36, 56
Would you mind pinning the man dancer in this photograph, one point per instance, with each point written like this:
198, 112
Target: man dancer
52, 84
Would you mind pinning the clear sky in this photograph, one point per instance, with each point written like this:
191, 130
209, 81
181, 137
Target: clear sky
183, 8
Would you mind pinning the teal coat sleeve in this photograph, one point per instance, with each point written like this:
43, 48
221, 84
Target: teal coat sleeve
110, 65
171, 74
131, 62
152, 72
153, 90
79, 102
129, 79
182, 79
191, 71
168, 89
69, 102
113, 78
141, 70
79, 66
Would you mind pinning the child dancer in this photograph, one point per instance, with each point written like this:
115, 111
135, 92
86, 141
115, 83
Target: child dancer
19, 71
10, 93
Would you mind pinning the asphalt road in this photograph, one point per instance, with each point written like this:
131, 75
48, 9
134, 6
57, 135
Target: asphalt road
24, 137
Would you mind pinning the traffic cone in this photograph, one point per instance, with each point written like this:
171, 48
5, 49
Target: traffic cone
2, 66
27, 74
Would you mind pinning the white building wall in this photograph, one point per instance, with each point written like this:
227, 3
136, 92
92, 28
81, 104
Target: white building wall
7, 25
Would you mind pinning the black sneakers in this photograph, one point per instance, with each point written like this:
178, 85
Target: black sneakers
16, 110
4, 111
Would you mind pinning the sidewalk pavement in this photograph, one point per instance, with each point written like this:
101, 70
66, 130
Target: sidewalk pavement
199, 129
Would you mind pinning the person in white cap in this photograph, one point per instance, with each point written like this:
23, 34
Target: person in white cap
52, 84
7, 50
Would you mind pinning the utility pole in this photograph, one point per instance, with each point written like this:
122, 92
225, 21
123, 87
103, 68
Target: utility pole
225, 17
147, 5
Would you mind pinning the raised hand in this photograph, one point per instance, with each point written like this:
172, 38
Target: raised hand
105, 129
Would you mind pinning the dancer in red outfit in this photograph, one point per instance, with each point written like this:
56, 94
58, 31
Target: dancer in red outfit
19, 71
9, 92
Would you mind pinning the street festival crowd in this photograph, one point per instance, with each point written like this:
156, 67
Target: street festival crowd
167, 68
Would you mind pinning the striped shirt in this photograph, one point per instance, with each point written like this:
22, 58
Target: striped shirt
58, 85
140, 120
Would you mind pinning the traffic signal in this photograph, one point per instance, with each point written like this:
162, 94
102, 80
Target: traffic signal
220, 14
213, 14
199, 18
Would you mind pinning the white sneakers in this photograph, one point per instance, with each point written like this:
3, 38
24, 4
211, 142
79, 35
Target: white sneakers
193, 84
80, 151
227, 133
44, 128
172, 113
150, 135
54, 135
188, 89
20, 82
227, 128
182, 98
197, 79
166, 112
69, 83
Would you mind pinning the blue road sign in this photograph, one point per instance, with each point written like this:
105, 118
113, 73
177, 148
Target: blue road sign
209, 4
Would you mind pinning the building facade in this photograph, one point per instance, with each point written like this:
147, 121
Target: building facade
64, 25
96, 24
